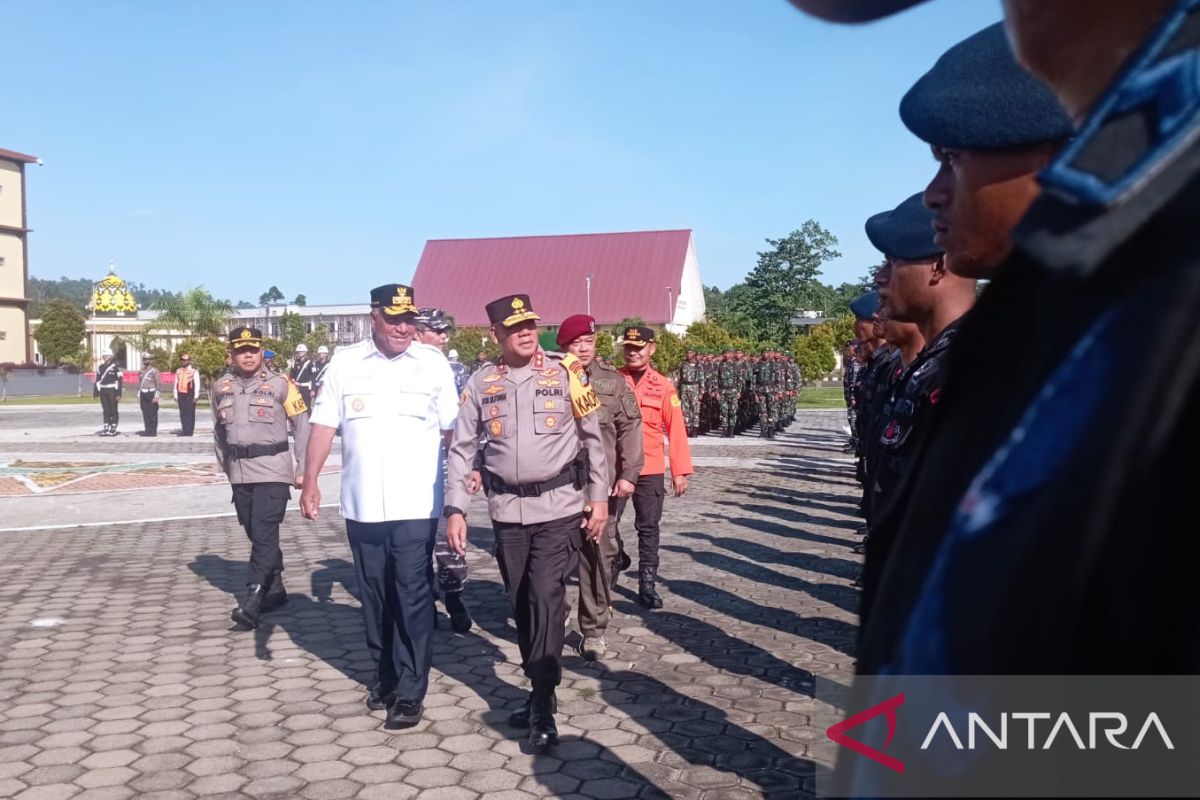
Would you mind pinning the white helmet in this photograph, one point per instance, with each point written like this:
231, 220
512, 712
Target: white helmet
301, 348
322, 350
452, 354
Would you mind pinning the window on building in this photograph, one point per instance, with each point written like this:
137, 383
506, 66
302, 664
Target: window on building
1, 261
3, 335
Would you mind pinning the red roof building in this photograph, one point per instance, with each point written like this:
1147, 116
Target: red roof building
649, 274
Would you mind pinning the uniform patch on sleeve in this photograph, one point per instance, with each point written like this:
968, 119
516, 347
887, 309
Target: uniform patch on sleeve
583, 398
294, 404
675, 400
630, 404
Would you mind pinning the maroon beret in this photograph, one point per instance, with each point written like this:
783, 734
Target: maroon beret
574, 327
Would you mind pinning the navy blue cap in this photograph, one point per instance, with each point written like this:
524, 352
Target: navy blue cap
977, 97
905, 232
852, 10
867, 306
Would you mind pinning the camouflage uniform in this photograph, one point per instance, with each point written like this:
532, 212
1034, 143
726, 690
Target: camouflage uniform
689, 393
729, 385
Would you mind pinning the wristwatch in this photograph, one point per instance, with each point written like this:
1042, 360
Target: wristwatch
448, 510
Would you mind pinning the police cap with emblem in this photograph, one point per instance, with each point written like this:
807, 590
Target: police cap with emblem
574, 327
393, 299
510, 310
637, 336
977, 97
245, 336
905, 232
866, 306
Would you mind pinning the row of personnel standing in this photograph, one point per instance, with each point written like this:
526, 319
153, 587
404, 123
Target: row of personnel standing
110, 386
731, 392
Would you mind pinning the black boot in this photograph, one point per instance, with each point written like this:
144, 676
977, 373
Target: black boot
460, 618
249, 609
543, 732
276, 596
403, 713
729, 432
381, 696
647, 596
619, 565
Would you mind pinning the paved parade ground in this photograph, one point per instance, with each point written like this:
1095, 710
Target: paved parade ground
120, 675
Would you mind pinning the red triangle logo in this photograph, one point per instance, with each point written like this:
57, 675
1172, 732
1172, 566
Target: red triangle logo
837, 733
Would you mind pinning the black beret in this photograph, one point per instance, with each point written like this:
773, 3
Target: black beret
866, 306
905, 232
977, 97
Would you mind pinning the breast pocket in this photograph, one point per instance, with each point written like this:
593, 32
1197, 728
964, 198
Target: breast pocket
549, 413
412, 404
262, 409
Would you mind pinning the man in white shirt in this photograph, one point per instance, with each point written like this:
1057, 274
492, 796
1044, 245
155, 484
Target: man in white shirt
395, 401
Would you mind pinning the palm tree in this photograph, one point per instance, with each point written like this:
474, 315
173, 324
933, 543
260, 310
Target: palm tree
195, 312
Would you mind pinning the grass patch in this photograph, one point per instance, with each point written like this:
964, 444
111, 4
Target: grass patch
129, 399
821, 397
587, 693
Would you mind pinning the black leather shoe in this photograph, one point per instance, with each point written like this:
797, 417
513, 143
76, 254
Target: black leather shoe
381, 697
276, 596
520, 717
543, 732
403, 713
460, 617
248, 610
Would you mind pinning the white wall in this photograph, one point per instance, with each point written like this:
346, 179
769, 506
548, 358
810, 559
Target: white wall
689, 306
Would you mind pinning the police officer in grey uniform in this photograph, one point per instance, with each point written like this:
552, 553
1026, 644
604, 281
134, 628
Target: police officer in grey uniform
546, 476
148, 394
621, 428
252, 410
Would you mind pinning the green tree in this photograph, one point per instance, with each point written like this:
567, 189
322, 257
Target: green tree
669, 352
208, 355
707, 337
76, 291
291, 326
629, 322
272, 295
300, 300
318, 337
60, 334
815, 352
195, 312
785, 281
469, 341
605, 345
243, 305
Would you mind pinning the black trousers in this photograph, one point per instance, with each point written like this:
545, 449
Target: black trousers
392, 561
187, 413
149, 413
260, 508
648, 495
108, 402
535, 562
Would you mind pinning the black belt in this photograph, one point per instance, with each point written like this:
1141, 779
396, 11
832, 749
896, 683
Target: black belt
257, 450
569, 475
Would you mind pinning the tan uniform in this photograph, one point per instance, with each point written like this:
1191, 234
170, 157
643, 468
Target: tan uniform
538, 419
532, 436
621, 430
251, 415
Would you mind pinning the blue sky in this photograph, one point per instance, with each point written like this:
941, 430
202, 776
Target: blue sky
316, 146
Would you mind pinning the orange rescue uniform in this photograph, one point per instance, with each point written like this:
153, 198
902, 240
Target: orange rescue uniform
662, 413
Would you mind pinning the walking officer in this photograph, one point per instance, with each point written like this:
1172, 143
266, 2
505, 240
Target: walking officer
148, 395
621, 428
109, 384
661, 414
252, 410
304, 374
545, 474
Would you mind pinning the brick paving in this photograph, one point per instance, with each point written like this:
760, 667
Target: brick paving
120, 676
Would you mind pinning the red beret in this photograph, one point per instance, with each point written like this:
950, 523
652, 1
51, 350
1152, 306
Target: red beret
574, 327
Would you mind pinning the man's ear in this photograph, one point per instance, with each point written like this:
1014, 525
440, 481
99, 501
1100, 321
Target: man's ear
492, 333
937, 271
